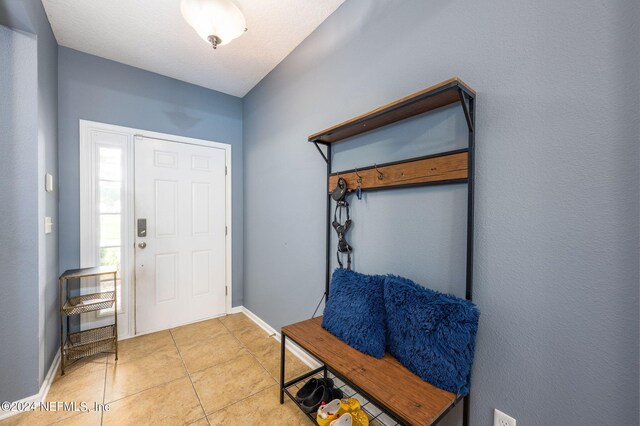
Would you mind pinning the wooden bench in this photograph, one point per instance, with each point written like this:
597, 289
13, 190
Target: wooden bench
385, 382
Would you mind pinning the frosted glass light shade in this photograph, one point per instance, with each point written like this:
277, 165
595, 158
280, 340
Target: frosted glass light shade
214, 18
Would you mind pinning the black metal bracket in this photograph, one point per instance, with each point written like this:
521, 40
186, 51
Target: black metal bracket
326, 160
465, 109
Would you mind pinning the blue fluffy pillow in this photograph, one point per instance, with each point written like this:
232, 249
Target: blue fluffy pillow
355, 311
431, 333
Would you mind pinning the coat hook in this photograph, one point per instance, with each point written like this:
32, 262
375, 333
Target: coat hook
358, 174
359, 187
380, 174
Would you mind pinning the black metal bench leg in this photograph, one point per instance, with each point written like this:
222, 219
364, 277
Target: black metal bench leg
466, 407
283, 338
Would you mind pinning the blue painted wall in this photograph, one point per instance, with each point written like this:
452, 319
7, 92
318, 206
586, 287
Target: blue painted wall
97, 89
18, 214
557, 192
42, 261
49, 337
557, 232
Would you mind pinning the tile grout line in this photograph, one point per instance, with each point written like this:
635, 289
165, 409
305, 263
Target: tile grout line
276, 379
163, 384
107, 364
250, 352
243, 399
103, 391
189, 376
146, 389
259, 363
235, 402
78, 413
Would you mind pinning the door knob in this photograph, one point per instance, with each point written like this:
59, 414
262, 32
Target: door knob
142, 245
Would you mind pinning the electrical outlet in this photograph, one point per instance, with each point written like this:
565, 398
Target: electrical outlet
501, 419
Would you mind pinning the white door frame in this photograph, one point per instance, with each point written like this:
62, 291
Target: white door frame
88, 237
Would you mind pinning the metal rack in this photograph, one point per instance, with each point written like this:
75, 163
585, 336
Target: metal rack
74, 346
445, 168
376, 416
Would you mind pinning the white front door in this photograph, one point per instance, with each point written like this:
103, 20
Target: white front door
180, 257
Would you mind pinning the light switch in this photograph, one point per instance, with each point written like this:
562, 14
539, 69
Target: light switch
48, 182
48, 225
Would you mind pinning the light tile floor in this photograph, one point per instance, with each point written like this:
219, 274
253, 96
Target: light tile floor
220, 372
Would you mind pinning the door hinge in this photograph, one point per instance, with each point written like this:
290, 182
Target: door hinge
225, 170
226, 290
226, 230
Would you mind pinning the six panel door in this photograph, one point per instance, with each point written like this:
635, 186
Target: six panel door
181, 255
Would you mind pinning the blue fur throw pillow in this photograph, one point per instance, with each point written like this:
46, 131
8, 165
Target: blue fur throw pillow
355, 311
431, 333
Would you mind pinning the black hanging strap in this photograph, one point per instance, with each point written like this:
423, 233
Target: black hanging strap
339, 194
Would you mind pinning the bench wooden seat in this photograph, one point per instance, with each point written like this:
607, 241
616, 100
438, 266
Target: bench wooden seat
385, 381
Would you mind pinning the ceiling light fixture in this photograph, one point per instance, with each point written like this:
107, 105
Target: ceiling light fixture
216, 21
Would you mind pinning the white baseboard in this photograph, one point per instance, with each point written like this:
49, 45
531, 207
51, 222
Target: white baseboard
41, 395
293, 348
266, 327
236, 309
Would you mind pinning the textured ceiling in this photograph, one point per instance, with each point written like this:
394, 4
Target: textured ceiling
153, 35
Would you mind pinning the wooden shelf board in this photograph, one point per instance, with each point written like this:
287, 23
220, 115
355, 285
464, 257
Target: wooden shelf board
410, 398
433, 169
431, 98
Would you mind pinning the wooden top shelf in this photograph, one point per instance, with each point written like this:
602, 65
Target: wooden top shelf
429, 99
410, 398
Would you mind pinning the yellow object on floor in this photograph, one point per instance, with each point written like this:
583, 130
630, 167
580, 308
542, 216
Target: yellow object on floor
360, 418
342, 412
349, 405
328, 413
